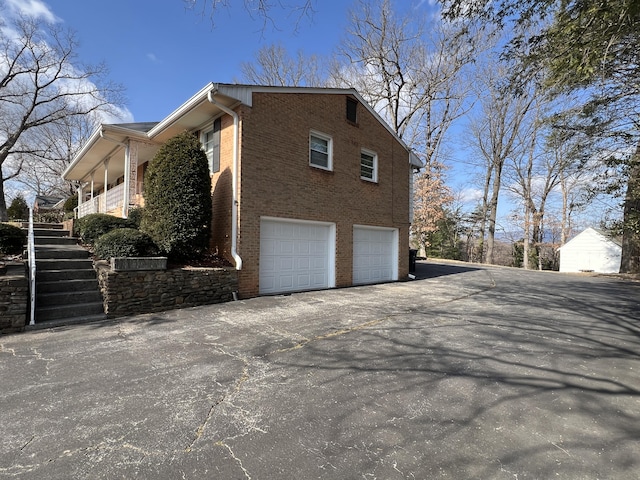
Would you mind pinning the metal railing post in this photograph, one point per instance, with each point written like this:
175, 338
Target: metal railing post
31, 249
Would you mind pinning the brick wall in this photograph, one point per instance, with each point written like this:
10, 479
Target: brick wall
277, 181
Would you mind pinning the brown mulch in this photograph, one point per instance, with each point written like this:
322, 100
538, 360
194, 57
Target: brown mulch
206, 261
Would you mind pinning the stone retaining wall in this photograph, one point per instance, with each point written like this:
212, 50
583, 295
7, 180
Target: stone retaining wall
136, 292
14, 302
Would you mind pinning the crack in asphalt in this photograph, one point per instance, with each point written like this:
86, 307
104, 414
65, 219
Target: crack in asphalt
244, 374
235, 458
227, 398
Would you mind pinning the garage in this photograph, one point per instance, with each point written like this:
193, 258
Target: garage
296, 255
375, 254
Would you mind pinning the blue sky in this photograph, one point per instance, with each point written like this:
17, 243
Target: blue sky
163, 53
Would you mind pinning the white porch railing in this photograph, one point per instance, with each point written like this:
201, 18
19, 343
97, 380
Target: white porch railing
115, 197
102, 203
88, 207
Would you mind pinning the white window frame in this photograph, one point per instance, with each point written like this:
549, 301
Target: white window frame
374, 167
329, 140
209, 152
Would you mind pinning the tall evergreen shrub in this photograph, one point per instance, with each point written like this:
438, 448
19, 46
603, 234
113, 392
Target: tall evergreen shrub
177, 213
18, 210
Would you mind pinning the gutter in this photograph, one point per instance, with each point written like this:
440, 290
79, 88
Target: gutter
234, 177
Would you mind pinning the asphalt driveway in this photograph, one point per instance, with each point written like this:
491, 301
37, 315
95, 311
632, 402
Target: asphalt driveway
468, 372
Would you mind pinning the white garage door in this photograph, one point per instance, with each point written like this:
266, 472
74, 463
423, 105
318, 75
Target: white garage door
296, 255
375, 255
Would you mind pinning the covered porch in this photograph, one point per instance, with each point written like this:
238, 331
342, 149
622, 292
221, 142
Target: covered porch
110, 169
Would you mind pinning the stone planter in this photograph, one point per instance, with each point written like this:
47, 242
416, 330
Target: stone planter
125, 264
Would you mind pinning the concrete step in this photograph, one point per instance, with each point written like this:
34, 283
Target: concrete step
68, 312
67, 321
67, 285
50, 232
46, 264
49, 252
67, 298
69, 241
42, 225
61, 275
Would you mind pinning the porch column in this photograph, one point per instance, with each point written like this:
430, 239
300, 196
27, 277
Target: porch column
130, 175
79, 200
133, 172
93, 174
106, 178
127, 181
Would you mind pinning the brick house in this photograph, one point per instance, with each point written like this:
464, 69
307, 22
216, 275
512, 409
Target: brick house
310, 187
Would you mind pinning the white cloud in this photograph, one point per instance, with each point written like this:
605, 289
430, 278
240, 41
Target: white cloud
470, 195
32, 8
152, 57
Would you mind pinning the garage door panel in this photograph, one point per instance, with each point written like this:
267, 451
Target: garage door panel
375, 255
294, 256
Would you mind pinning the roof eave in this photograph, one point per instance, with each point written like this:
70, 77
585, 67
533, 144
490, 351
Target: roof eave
182, 110
83, 151
97, 135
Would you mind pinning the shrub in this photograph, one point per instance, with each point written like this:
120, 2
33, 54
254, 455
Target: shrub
48, 216
177, 213
93, 226
125, 242
70, 204
135, 217
18, 210
12, 239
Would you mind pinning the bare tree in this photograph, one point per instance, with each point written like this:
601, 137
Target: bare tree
495, 135
60, 143
414, 79
274, 66
41, 85
533, 176
262, 10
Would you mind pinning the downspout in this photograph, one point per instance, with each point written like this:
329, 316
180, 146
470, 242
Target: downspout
234, 178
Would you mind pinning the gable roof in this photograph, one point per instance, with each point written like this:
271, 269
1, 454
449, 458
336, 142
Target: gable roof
45, 201
591, 231
200, 109
191, 115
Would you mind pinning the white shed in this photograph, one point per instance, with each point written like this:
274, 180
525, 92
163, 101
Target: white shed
590, 251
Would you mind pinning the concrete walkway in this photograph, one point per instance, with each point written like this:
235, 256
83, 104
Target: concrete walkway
470, 372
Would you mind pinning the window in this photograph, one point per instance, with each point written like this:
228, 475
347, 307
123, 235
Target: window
352, 110
320, 151
211, 143
368, 166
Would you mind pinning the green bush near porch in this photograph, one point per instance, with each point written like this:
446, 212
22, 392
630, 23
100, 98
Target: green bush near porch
93, 226
177, 212
125, 242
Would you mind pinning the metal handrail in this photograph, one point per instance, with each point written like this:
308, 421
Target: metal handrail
31, 252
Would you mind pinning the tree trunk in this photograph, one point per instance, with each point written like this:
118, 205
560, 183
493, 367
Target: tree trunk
493, 213
485, 209
631, 233
525, 242
564, 227
3, 203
